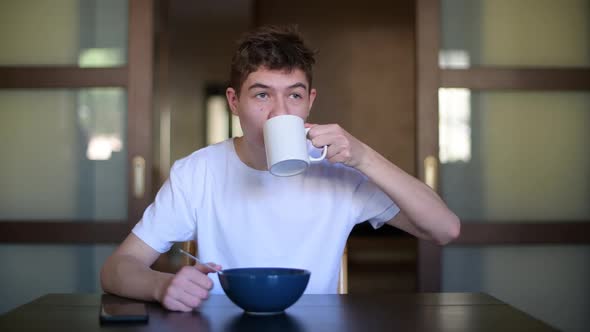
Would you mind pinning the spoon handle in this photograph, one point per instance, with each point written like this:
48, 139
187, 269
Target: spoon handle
199, 261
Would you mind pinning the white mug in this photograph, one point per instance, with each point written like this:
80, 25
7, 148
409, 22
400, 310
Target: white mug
285, 142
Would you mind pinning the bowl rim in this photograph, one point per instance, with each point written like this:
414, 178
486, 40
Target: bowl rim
235, 272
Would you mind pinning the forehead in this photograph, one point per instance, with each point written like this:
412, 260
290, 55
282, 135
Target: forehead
277, 79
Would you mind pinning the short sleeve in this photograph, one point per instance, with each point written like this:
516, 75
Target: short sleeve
373, 204
170, 218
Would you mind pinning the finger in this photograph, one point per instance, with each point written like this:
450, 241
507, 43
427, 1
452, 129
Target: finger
194, 290
333, 150
180, 294
207, 268
192, 274
200, 279
329, 140
187, 299
175, 305
309, 125
313, 130
216, 266
318, 130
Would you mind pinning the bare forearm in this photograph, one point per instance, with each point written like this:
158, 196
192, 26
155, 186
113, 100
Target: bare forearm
423, 206
428, 214
127, 276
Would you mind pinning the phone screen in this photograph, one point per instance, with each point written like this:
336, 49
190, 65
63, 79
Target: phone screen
117, 309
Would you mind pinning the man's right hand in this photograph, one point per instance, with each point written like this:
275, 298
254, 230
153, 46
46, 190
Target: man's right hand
127, 272
186, 289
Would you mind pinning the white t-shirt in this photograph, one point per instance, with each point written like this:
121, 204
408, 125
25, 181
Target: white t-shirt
242, 217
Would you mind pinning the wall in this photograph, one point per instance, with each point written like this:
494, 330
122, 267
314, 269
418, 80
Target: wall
202, 41
365, 68
364, 72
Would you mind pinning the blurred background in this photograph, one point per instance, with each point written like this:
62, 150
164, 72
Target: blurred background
487, 101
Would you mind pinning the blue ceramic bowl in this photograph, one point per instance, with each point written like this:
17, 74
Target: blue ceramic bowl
264, 290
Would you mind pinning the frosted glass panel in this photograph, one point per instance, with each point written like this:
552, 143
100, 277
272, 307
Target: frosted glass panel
515, 156
25, 275
64, 154
548, 282
515, 33
86, 33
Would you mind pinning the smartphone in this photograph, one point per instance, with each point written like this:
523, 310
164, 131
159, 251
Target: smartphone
114, 309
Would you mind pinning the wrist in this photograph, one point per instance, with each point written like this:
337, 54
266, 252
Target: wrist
162, 280
368, 161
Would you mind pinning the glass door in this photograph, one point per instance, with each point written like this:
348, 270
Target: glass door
503, 123
75, 136
75, 119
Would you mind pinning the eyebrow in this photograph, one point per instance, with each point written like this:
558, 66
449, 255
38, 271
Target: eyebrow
258, 86
298, 85
263, 86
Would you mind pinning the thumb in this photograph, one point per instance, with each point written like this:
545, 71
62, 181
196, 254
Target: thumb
208, 267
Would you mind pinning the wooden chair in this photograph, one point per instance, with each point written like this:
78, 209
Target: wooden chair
343, 276
191, 246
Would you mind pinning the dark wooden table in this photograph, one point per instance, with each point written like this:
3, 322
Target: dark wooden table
366, 313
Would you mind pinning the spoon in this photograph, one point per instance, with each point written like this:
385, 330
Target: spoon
199, 261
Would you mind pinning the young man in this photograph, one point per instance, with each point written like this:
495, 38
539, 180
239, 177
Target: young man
243, 216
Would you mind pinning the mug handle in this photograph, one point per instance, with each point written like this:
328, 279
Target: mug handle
324, 150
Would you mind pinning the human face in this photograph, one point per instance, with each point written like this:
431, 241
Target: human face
268, 93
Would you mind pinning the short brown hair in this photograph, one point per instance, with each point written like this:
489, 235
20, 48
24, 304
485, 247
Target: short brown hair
272, 47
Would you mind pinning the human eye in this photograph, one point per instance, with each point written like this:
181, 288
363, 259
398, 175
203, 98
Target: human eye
261, 95
296, 96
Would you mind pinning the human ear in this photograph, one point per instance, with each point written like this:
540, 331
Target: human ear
312, 95
232, 100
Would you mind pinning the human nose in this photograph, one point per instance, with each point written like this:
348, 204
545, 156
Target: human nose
279, 108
